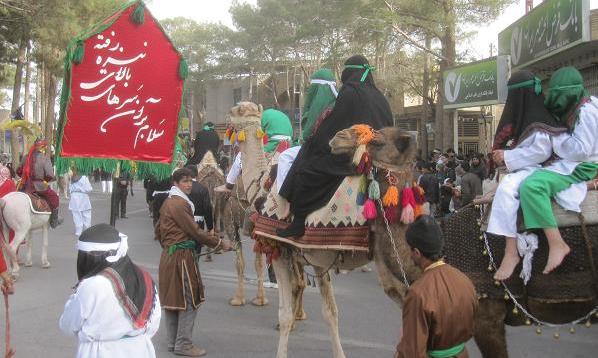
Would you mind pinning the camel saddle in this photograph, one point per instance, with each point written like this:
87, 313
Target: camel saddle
340, 225
575, 279
39, 205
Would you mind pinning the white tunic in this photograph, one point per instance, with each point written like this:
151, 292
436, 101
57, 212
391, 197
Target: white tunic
79, 195
235, 170
285, 161
573, 149
521, 162
94, 315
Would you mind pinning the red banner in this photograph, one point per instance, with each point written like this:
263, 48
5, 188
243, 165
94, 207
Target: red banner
125, 94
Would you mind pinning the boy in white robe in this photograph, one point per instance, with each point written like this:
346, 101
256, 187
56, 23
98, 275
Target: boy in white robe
79, 204
527, 125
565, 179
115, 310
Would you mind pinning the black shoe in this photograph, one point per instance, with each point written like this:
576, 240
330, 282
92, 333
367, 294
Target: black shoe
124, 217
296, 229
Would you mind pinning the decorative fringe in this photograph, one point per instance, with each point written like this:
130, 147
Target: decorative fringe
391, 197
369, 209
374, 190
183, 69
358, 154
408, 203
259, 133
364, 133
241, 136
138, 15
392, 214
77, 56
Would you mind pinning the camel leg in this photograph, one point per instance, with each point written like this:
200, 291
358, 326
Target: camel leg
330, 311
298, 282
260, 299
239, 297
489, 331
45, 262
286, 318
393, 287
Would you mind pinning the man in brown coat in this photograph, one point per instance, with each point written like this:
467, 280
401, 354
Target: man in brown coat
180, 287
439, 309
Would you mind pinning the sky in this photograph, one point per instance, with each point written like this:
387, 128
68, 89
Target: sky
217, 11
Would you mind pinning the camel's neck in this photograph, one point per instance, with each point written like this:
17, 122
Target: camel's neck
254, 160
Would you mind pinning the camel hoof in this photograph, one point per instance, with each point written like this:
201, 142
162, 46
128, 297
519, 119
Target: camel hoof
28, 264
237, 302
259, 301
293, 326
46, 265
301, 317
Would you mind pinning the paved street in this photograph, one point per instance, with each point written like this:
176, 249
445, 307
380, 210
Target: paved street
369, 321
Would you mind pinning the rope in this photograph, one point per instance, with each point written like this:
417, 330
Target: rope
8, 352
323, 272
394, 244
520, 306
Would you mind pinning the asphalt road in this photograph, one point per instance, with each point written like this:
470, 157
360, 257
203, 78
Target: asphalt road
369, 321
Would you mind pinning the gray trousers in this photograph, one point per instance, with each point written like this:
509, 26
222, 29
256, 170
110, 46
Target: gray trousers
179, 324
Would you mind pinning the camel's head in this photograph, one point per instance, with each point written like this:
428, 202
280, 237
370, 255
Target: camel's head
246, 114
390, 148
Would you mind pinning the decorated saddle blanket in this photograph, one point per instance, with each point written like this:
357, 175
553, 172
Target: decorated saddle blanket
574, 280
340, 225
39, 204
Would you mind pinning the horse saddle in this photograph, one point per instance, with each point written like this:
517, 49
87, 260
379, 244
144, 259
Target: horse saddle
39, 204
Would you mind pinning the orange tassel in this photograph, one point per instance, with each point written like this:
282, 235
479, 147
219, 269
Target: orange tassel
391, 197
364, 133
418, 211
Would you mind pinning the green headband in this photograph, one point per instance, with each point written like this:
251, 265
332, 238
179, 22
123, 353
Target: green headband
557, 88
208, 127
535, 83
365, 67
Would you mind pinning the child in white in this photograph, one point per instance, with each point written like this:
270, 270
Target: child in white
79, 204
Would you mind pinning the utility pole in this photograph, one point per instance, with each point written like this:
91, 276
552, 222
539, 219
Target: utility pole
529, 5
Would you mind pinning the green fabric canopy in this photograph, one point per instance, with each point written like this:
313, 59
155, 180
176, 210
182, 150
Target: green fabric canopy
320, 96
565, 92
275, 123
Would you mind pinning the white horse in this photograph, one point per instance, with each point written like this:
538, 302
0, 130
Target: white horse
18, 215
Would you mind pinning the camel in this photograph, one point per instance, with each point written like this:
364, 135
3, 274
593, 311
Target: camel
391, 150
17, 214
246, 119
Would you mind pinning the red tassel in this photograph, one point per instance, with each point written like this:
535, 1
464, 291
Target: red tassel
369, 210
407, 197
392, 214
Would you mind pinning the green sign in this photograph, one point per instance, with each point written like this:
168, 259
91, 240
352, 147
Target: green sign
551, 27
476, 84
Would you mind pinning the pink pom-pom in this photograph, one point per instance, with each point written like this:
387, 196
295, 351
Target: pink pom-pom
407, 197
407, 214
369, 210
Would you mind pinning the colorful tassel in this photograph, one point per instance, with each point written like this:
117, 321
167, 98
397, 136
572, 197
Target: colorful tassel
363, 184
233, 138
374, 190
358, 154
241, 136
138, 15
391, 197
407, 215
392, 214
418, 211
259, 133
369, 210
363, 132
228, 133
360, 199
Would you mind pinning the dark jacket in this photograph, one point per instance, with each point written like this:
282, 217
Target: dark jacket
471, 185
200, 197
429, 183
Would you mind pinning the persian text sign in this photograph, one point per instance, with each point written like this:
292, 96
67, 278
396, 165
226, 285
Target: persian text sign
549, 28
125, 95
476, 84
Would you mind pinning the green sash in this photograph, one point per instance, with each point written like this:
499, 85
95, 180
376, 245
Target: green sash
185, 245
447, 353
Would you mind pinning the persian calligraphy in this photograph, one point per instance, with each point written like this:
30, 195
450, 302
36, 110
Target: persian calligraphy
125, 94
115, 65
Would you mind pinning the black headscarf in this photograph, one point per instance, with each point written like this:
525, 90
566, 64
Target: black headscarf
524, 112
137, 297
316, 173
207, 139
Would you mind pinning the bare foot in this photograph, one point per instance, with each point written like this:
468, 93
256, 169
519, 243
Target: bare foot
556, 255
507, 266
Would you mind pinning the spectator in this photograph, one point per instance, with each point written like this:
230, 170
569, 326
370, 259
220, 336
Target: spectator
429, 183
471, 184
478, 167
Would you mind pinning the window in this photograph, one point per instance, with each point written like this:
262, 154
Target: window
236, 96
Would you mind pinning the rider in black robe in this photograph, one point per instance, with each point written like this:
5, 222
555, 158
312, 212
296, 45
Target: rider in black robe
205, 140
316, 173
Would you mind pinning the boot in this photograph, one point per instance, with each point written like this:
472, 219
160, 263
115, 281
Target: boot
55, 220
296, 229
